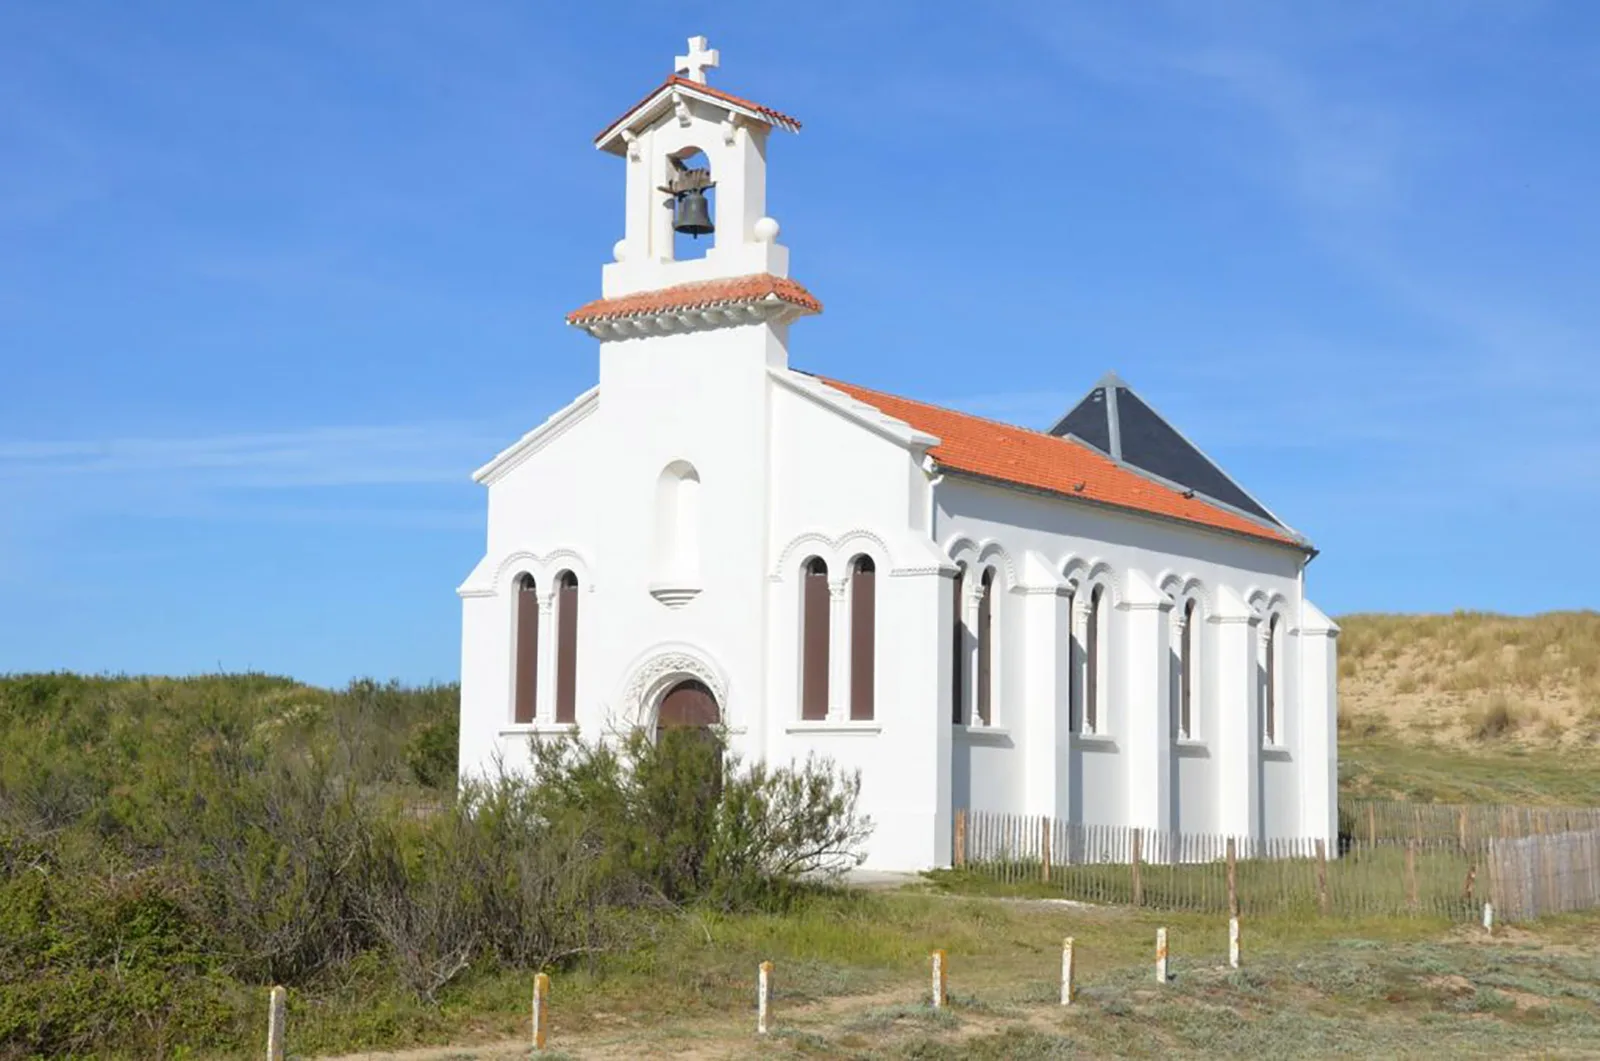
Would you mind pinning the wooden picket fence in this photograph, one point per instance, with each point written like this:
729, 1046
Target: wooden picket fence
1470, 825
1433, 872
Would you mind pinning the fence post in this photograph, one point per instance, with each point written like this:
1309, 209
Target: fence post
1233, 878
1138, 880
276, 1015
961, 838
1161, 955
1068, 973
541, 1010
1472, 877
1233, 941
1372, 825
1461, 829
1322, 876
940, 979
1488, 918
763, 995
1044, 847
1411, 874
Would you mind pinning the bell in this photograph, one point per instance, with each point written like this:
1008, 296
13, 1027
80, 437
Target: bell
691, 217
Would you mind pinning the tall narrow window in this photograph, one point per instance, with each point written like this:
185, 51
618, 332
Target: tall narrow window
958, 648
863, 637
1186, 640
567, 647
1270, 708
814, 603
1072, 683
525, 656
1092, 649
986, 647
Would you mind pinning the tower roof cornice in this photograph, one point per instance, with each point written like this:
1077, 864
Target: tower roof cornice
663, 98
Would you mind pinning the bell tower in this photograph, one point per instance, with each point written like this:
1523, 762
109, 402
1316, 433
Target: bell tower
696, 164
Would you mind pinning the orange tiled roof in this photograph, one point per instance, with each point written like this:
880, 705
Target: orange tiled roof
702, 294
1063, 466
776, 117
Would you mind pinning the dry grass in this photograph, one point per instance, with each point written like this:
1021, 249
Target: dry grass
1472, 678
852, 983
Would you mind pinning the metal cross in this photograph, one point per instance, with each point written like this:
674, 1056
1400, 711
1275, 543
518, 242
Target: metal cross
697, 62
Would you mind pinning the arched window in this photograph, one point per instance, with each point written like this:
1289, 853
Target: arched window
1269, 708
986, 648
567, 647
958, 648
1186, 670
1071, 687
863, 637
525, 654
814, 602
1094, 651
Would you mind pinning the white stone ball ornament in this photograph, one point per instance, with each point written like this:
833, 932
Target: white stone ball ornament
619, 250
766, 230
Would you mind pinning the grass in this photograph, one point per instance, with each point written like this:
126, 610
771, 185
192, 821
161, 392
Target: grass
852, 973
1387, 767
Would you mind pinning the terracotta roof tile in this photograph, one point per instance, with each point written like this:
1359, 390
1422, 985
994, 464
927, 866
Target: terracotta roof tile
702, 294
1063, 466
776, 117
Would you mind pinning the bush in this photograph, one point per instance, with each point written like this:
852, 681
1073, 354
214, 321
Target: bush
167, 848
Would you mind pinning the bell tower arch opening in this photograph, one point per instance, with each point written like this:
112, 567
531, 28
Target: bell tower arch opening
692, 201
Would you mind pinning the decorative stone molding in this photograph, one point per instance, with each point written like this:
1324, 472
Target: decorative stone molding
665, 667
674, 596
836, 551
558, 424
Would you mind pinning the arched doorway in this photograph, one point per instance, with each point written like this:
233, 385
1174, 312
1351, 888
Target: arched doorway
690, 703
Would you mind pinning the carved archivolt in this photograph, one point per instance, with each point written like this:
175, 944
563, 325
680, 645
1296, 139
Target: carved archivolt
836, 551
655, 677
542, 568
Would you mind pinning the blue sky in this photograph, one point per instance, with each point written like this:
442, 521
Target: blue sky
274, 278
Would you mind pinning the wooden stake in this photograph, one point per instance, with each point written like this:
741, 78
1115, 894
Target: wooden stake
961, 838
1411, 873
1138, 879
1069, 986
277, 1016
1161, 955
1372, 825
1322, 876
541, 1010
1488, 918
1233, 878
1233, 941
1044, 847
940, 980
763, 995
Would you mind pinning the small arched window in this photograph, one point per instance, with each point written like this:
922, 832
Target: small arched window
1187, 636
567, 647
525, 652
986, 625
814, 633
1094, 651
958, 648
1269, 709
863, 637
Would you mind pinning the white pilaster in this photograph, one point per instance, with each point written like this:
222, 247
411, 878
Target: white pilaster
1318, 718
839, 649
545, 709
1235, 695
1144, 693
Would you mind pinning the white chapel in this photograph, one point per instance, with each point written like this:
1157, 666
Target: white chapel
1091, 622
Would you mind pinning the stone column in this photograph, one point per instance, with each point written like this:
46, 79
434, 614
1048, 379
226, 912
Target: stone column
1143, 691
1317, 640
1237, 710
545, 709
839, 649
